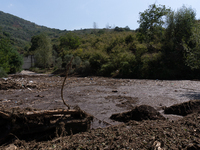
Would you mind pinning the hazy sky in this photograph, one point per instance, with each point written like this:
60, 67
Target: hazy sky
77, 14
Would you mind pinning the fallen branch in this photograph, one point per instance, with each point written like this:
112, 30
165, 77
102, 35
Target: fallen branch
51, 112
68, 67
4, 115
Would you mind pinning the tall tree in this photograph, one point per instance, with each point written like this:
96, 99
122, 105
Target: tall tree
193, 48
41, 45
151, 21
180, 25
179, 29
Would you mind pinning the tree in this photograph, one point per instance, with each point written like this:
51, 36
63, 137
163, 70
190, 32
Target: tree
151, 22
41, 45
178, 44
15, 62
10, 60
70, 41
5, 49
193, 48
180, 25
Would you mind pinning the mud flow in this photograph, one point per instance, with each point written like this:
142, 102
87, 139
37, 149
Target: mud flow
105, 113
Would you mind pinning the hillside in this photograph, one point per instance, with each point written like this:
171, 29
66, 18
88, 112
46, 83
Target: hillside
151, 51
20, 31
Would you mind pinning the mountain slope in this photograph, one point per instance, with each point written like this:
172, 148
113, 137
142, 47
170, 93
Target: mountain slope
20, 31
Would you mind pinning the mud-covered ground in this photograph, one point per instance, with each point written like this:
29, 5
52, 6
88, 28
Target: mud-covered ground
102, 97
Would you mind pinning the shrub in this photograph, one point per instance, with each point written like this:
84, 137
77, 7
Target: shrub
140, 50
58, 63
2, 73
97, 59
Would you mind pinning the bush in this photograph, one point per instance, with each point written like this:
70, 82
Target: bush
58, 63
15, 62
84, 69
76, 62
66, 60
2, 73
140, 50
151, 65
97, 59
10, 59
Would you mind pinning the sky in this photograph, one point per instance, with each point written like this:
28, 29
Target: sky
81, 14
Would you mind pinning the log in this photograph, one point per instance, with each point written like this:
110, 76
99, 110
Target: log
52, 112
4, 115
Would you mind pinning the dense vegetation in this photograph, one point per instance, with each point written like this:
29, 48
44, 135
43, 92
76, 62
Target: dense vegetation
10, 60
165, 46
21, 31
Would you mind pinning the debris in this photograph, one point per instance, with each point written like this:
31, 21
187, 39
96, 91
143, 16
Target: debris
183, 109
157, 146
139, 113
29, 89
41, 124
11, 147
39, 96
192, 146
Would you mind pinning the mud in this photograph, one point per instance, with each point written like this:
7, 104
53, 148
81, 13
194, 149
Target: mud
139, 113
184, 109
101, 98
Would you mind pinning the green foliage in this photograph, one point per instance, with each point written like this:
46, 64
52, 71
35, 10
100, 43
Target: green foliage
150, 65
129, 39
97, 59
70, 41
10, 60
151, 21
21, 31
151, 51
16, 62
5, 49
179, 26
177, 44
193, 48
140, 50
58, 63
2, 73
122, 62
67, 58
41, 45
77, 62
119, 29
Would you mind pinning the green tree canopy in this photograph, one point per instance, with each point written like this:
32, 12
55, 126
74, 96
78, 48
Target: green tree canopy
179, 29
70, 41
151, 21
193, 48
10, 59
180, 25
41, 45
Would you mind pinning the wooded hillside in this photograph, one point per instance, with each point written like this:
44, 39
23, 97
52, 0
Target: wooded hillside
165, 46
